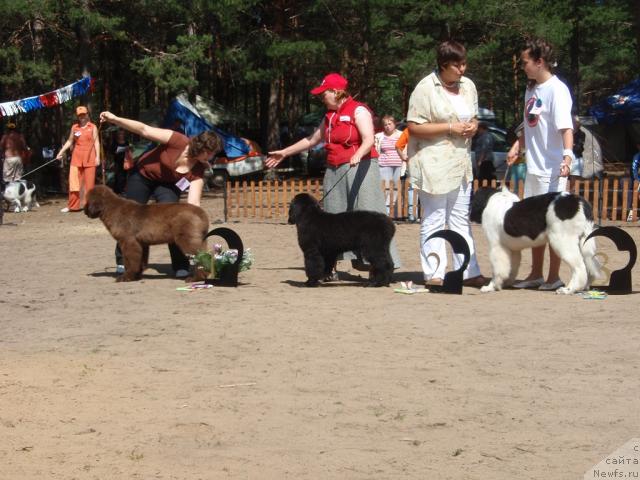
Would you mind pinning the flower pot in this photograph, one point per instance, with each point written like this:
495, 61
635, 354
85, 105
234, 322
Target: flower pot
227, 276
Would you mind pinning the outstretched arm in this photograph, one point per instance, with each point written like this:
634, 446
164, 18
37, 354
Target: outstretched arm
158, 135
278, 156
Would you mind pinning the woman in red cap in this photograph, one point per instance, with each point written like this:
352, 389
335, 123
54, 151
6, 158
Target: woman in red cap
84, 159
352, 178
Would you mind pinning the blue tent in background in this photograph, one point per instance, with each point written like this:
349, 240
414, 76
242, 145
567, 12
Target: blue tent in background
182, 116
622, 107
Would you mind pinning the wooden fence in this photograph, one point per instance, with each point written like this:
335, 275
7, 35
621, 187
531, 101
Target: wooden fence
270, 199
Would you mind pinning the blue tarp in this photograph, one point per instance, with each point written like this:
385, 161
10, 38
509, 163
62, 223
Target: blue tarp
184, 118
622, 107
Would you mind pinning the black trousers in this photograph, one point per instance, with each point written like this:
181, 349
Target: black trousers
141, 189
120, 178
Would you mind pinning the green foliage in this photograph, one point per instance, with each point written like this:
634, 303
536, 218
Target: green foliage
235, 51
389, 100
286, 53
173, 70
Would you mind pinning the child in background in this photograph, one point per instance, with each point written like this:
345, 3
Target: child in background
401, 147
389, 160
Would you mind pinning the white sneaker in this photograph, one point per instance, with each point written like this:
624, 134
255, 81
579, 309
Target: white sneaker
119, 269
630, 216
65, 210
182, 273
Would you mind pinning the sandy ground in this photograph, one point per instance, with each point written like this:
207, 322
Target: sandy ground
271, 380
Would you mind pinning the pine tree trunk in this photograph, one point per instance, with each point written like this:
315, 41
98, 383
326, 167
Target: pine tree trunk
574, 50
84, 42
516, 94
273, 135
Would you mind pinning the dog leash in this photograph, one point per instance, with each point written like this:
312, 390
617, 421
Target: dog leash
506, 174
504, 180
324, 195
36, 169
103, 159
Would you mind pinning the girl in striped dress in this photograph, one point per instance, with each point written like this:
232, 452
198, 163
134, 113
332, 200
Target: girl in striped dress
389, 159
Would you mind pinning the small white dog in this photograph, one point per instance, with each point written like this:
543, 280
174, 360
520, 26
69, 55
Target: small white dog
21, 194
511, 225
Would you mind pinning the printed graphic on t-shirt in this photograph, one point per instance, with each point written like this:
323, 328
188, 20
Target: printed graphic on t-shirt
532, 111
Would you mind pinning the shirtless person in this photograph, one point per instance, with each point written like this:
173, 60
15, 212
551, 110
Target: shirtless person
12, 147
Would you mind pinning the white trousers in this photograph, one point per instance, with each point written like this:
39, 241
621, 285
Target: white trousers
450, 210
538, 185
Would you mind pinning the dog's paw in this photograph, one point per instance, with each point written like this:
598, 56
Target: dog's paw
16, 210
198, 276
564, 291
127, 278
312, 283
488, 288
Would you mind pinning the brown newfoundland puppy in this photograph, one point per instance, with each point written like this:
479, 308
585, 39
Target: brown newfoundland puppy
137, 226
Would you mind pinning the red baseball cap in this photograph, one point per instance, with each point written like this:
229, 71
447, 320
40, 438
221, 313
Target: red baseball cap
333, 81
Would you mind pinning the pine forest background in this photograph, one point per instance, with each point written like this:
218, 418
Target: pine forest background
259, 59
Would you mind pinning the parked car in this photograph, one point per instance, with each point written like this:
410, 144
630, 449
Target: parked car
222, 167
500, 150
310, 162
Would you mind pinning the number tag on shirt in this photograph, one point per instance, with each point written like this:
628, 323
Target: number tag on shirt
183, 184
536, 109
345, 118
77, 134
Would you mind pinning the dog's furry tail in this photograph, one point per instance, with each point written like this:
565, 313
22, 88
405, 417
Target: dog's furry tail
589, 250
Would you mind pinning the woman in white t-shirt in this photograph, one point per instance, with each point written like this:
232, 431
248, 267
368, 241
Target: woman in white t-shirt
442, 119
548, 140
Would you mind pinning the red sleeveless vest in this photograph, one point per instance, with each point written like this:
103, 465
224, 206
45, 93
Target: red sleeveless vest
341, 134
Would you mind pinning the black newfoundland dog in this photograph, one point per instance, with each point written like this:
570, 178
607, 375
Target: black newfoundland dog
322, 236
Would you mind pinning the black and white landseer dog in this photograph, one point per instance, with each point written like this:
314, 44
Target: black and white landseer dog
21, 194
511, 225
322, 236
